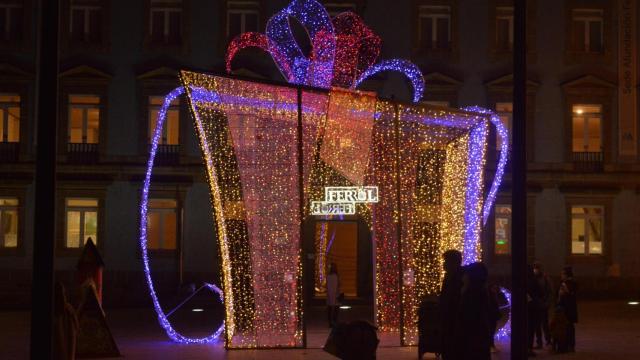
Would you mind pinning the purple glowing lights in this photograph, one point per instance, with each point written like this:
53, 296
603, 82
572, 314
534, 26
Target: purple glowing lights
162, 317
333, 51
503, 133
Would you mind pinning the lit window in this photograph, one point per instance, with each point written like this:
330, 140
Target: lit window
81, 222
9, 118
335, 9
502, 238
84, 119
587, 224
162, 224
8, 223
242, 16
85, 22
587, 128
171, 127
504, 28
588, 30
165, 25
434, 26
11, 20
505, 112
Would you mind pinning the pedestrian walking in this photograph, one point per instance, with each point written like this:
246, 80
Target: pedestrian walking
333, 291
534, 295
567, 302
494, 312
449, 305
545, 287
474, 321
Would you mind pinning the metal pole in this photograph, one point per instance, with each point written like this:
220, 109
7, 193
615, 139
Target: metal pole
519, 336
302, 299
45, 181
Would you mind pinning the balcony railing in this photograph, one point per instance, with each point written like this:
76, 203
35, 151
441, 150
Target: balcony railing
82, 153
167, 155
588, 161
9, 152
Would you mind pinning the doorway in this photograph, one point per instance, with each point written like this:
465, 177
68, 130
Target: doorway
345, 242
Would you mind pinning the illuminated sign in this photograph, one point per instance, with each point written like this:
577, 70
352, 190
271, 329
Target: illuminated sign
342, 200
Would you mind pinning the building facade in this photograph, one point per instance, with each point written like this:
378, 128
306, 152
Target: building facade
118, 59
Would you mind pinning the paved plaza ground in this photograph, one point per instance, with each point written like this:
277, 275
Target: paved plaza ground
607, 330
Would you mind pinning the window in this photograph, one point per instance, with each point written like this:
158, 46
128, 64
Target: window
335, 9
587, 128
165, 24
81, 222
11, 20
588, 30
242, 16
505, 112
434, 26
502, 237
85, 21
587, 224
8, 222
9, 118
162, 224
504, 28
171, 126
84, 119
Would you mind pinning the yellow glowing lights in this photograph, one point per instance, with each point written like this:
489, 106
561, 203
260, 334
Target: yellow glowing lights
416, 156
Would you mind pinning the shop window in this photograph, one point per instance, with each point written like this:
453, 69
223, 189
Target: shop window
85, 23
434, 27
84, 119
504, 28
242, 16
587, 129
171, 127
8, 223
587, 30
502, 237
505, 112
11, 21
9, 118
587, 225
335, 9
162, 224
165, 22
81, 222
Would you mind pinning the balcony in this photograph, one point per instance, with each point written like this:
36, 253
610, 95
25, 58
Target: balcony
9, 152
588, 161
82, 153
167, 155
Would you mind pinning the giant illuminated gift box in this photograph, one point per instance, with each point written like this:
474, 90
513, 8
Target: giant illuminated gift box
278, 154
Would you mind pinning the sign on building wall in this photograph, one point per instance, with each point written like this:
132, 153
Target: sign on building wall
342, 200
627, 93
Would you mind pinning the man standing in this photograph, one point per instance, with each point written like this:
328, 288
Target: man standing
546, 292
568, 303
449, 305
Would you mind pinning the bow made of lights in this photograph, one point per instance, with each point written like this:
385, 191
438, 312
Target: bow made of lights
343, 50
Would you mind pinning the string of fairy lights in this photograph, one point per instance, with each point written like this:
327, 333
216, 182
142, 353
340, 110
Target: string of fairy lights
427, 164
248, 137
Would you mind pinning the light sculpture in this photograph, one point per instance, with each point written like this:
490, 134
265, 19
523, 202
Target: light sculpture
271, 150
343, 51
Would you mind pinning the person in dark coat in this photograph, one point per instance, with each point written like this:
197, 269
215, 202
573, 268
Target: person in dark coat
474, 316
567, 302
546, 293
534, 296
449, 303
494, 312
